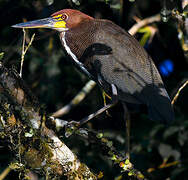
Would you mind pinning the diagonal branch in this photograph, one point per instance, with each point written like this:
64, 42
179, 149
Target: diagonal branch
178, 92
36, 146
76, 100
133, 30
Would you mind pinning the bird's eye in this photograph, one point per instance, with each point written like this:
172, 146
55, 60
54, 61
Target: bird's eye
64, 17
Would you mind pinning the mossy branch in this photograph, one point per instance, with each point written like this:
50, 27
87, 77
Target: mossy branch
38, 148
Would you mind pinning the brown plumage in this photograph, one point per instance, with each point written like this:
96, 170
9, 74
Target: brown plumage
115, 60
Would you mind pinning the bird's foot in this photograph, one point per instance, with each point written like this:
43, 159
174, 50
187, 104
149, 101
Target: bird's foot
71, 127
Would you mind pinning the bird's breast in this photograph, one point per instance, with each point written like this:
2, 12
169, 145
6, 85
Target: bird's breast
67, 48
72, 54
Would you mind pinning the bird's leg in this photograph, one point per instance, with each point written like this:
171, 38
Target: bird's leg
91, 116
86, 119
104, 95
127, 122
72, 126
77, 124
114, 101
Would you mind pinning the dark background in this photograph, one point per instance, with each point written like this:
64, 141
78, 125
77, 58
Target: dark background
53, 79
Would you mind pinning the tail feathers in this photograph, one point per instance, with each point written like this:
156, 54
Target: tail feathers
160, 109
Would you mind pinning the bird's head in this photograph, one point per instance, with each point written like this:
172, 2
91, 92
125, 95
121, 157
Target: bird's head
61, 21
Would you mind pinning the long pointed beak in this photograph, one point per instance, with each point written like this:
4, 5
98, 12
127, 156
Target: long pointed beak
52, 23
41, 23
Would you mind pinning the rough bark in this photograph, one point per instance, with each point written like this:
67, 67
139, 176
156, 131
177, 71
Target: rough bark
36, 147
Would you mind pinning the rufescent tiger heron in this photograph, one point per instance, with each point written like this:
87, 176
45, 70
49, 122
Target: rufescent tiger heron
111, 57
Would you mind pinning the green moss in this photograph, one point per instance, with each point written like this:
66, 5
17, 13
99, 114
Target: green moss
34, 158
83, 172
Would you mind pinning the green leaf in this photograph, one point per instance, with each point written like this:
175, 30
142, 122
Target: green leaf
1, 55
170, 131
147, 33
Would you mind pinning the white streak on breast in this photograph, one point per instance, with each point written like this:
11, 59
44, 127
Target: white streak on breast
69, 51
114, 90
67, 48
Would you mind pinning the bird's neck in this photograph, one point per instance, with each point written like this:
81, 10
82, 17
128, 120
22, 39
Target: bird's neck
78, 39
74, 48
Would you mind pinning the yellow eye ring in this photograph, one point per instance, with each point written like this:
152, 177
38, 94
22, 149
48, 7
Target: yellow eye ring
64, 16
61, 17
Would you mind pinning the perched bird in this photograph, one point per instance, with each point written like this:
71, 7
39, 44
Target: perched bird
111, 57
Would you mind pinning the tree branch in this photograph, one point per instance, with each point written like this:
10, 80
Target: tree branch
105, 145
76, 100
178, 92
133, 30
36, 146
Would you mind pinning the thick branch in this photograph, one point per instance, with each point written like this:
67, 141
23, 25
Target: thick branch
36, 146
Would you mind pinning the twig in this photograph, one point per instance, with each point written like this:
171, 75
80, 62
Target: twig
76, 100
4, 173
144, 22
24, 50
22, 57
184, 3
178, 92
182, 26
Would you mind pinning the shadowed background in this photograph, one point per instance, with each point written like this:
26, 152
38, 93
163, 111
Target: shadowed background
55, 82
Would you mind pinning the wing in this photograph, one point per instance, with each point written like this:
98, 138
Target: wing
128, 67
126, 64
